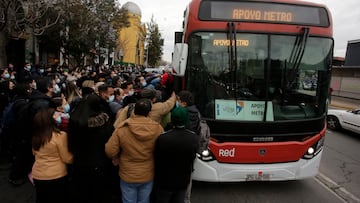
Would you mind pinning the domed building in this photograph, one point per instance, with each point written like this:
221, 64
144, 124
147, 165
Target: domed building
131, 40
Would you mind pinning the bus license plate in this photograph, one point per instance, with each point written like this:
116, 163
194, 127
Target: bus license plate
257, 177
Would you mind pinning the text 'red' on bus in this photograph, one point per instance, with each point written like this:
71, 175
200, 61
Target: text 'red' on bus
260, 73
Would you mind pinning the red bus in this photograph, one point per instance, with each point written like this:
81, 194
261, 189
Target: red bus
260, 73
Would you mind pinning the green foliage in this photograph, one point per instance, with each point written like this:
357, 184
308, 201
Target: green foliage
86, 27
154, 43
79, 27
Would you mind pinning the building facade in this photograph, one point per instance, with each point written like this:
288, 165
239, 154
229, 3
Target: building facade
131, 40
352, 53
345, 79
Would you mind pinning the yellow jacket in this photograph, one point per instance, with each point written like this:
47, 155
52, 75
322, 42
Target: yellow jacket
51, 159
132, 144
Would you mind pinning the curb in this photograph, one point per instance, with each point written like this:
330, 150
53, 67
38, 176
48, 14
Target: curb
341, 106
339, 190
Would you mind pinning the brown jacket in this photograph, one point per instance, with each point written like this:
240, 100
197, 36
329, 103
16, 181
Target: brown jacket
132, 143
158, 110
51, 159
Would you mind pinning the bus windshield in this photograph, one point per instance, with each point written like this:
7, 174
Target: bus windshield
260, 82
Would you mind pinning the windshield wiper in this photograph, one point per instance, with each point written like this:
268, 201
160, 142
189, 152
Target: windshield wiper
233, 57
296, 56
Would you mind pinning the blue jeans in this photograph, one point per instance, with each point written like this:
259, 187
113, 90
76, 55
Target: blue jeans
136, 192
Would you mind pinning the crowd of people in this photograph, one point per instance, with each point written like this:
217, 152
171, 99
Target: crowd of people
98, 134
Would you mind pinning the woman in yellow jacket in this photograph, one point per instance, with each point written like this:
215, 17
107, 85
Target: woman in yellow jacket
51, 156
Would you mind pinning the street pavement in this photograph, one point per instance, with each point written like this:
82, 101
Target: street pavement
11, 194
26, 192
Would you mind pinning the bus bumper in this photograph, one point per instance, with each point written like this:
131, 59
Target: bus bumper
213, 171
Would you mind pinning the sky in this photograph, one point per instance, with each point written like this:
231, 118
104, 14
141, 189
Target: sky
169, 17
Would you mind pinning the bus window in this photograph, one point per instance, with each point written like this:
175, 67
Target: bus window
252, 78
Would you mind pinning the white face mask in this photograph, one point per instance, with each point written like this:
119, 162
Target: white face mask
66, 108
57, 89
33, 85
7, 75
111, 98
58, 120
131, 92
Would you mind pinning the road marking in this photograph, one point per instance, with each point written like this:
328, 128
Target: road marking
336, 189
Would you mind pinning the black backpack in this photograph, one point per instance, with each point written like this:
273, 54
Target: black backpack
13, 112
131, 107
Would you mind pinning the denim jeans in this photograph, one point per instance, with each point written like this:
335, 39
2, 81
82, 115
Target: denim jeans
136, 192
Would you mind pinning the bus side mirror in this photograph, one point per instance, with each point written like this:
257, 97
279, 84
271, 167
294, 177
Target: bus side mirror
180, 59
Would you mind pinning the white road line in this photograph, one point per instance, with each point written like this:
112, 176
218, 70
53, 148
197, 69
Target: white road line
336, 189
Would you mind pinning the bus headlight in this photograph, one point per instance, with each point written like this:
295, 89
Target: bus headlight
315, 149
205, 155
310, 150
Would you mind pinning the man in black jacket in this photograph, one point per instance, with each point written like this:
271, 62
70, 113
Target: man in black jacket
39, 99
175, 151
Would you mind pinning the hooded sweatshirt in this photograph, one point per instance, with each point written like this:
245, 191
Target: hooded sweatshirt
132, 143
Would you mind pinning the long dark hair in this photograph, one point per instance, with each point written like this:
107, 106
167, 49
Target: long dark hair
43, 127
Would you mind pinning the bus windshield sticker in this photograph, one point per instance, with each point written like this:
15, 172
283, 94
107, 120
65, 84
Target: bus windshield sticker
243, 110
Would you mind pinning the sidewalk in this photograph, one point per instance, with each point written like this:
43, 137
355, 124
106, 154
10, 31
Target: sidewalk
344, 103
10, 194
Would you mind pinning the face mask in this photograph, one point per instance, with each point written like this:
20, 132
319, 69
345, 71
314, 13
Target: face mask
58, 120
28, 68
57, 89
12, 77
7, 75
33, 85
144, 83
177, 104
41, 71
131, 93
66, 108
111, 98
57, 80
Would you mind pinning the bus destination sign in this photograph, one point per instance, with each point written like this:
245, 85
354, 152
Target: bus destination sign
263, 12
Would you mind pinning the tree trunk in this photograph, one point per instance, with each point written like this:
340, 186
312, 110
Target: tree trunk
36, 50
3, 42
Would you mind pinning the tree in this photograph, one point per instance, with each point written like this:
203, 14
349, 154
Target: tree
155, 43
81, 26
24, 18
87, 27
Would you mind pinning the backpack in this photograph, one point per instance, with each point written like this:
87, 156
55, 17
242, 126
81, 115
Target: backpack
131, 107
8, 118
10, 114
204, 134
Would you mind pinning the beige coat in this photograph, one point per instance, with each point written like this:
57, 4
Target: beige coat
132, 144
158, 111
51, 159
